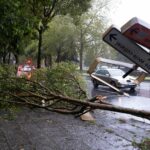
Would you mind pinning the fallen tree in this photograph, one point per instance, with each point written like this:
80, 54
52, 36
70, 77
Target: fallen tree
46, 94
44, 98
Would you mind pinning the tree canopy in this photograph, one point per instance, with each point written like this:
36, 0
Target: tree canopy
14, 26
44, 11
56, 29
20, 17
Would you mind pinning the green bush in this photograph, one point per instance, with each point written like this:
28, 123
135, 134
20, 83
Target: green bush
7, 72
144, 145
67, 79
63, 78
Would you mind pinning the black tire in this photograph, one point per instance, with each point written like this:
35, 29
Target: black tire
113, 83
95, 84
132, 89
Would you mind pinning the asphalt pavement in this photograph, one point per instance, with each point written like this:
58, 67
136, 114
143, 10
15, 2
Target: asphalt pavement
43, 130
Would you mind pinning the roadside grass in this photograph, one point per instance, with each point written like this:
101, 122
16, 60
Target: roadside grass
144, 145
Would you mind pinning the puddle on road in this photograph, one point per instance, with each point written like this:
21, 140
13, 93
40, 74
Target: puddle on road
134, 102
140, 99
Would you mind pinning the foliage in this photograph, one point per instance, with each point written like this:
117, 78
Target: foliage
91, 26
31, 49
39, 75
60, 91
93, 43
7, 108
20, 18
63, 78
144, 145
43, 12
50, 86
7, 71
59, 39
14, 27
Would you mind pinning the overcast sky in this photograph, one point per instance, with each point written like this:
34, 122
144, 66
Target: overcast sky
127, 9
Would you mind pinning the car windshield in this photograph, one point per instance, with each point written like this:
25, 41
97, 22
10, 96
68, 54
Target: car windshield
116, 72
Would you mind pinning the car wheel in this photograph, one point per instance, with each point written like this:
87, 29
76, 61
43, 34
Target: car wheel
95, 84
113, 83
132, 89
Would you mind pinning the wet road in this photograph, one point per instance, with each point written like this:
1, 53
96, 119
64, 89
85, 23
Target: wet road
144, 89
140, 99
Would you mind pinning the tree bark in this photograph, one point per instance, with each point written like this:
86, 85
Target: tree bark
39, 48
106, 106
81, 50
4, 57
58, 59
9, 55
48, 61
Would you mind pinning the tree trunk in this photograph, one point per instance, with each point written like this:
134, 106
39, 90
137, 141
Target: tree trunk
81, 51
39, 48
58, 59
4, 57
17, 58
9, 56
48, 60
